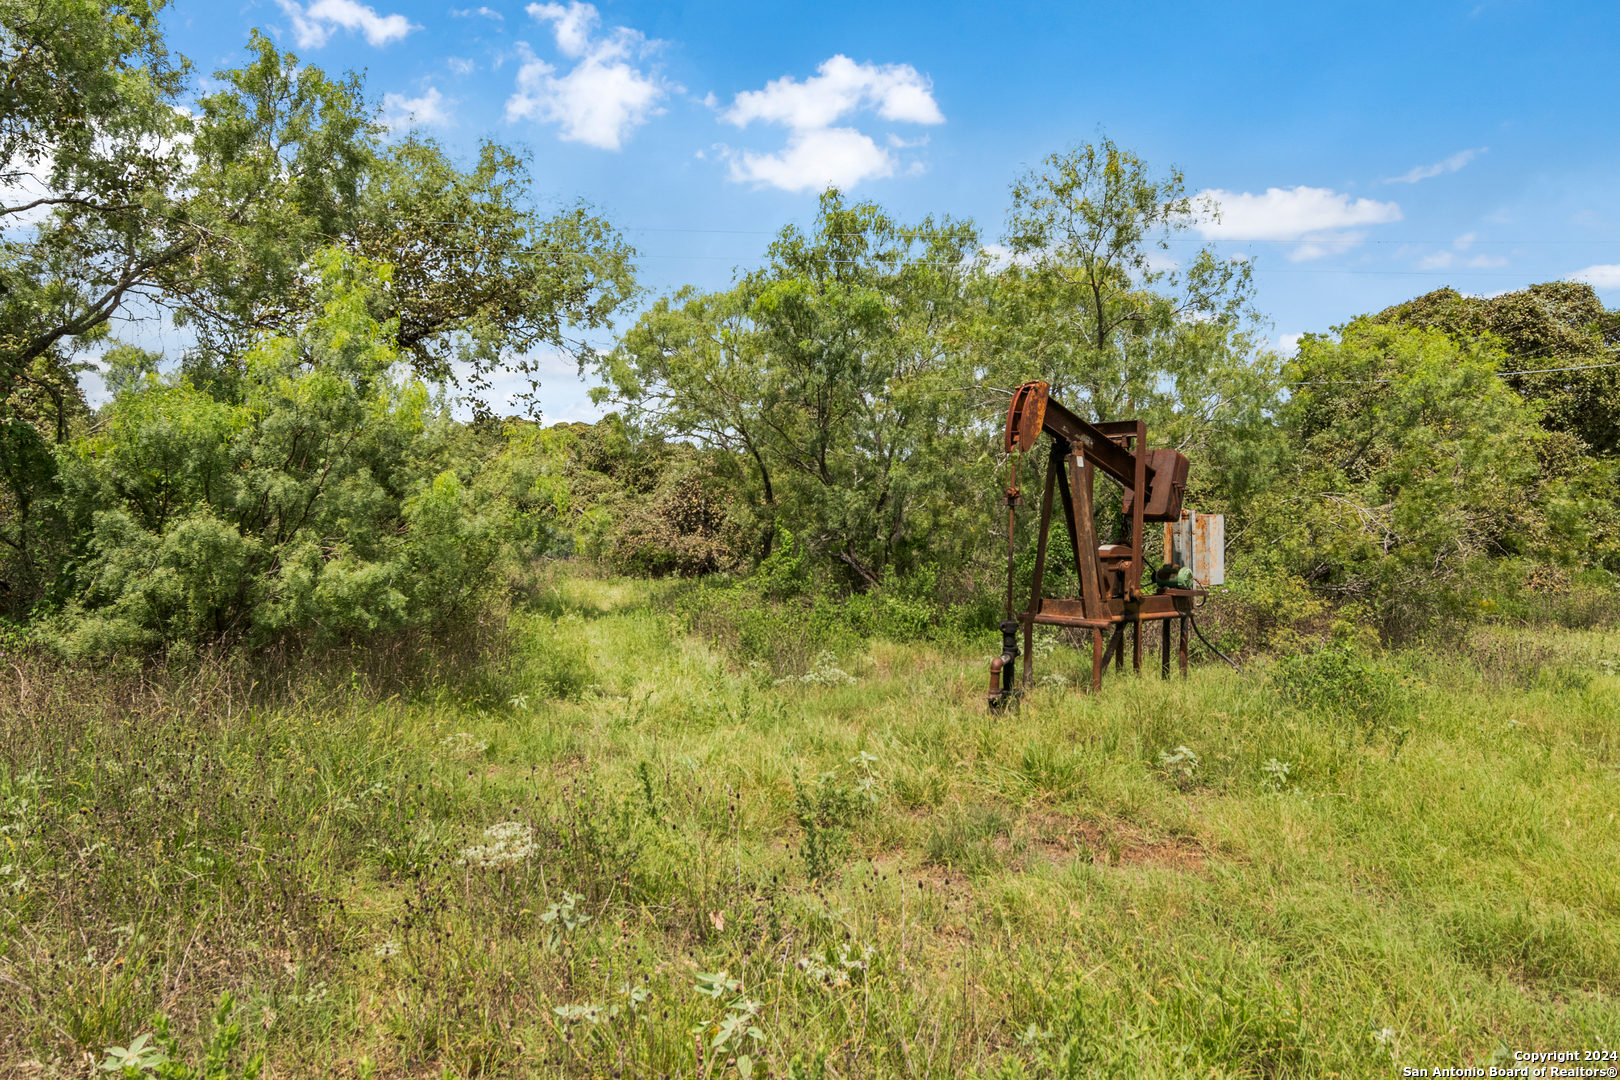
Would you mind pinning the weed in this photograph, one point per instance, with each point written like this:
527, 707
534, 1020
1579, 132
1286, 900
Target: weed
823, 672
1276, 775
1179, 765
165, 1059
824, 810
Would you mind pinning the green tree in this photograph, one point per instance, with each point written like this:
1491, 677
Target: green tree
1411, 477
1557, 341
830, 371
692, 366
318, 507
119, 188
1090, 301
91, 148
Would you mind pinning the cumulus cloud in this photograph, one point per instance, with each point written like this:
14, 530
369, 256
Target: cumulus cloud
1325, 221
602, 98
816, 158
481, 12
817, 153
401, 113
1450, 164
896, 91
1602, 278
314, 25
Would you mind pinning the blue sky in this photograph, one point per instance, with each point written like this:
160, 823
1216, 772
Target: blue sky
1364, 153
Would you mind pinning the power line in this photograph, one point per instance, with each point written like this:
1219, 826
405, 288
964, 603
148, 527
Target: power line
1551, 370
1498, 374
1166, 239
964, 264
1403, 273
1331, 240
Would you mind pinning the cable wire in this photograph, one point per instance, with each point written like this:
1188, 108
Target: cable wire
1213, 649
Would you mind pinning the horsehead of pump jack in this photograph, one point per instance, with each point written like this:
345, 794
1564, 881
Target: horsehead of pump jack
1112, 597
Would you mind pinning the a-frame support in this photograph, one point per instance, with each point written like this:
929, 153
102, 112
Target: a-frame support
1110, 577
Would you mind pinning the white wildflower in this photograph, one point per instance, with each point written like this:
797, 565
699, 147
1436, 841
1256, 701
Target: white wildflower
508, 842
824, 672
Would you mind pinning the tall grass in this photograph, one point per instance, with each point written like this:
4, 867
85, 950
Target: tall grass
609, 849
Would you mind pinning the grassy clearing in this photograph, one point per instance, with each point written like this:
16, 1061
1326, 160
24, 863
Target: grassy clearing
615, 854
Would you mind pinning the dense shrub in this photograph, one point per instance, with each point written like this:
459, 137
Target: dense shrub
319, 507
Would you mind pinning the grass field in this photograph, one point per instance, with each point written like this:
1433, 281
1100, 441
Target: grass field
617, 852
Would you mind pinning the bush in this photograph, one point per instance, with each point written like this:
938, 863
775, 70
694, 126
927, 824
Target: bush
319, 507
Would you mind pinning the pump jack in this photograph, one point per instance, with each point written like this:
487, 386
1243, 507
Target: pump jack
1111, 596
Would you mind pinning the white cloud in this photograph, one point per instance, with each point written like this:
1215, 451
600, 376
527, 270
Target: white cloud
572, 24
602, 98
1288, 344
897, 92
484, 12
1603, 278
841, 157
1450, 164
817, 153
460, 65
401, 113
21, 183
314, 25
1325, 221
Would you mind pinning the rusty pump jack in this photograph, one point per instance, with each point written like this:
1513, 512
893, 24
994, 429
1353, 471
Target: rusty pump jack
1111, 596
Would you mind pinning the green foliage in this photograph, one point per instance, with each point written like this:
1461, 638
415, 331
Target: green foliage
1555, 325
1411, 467
1336, 682
216, 212
90, 145
316, 507
829, 380
481, 278
785, 572
824, 811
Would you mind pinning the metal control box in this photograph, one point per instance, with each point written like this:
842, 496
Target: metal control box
1198, 541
